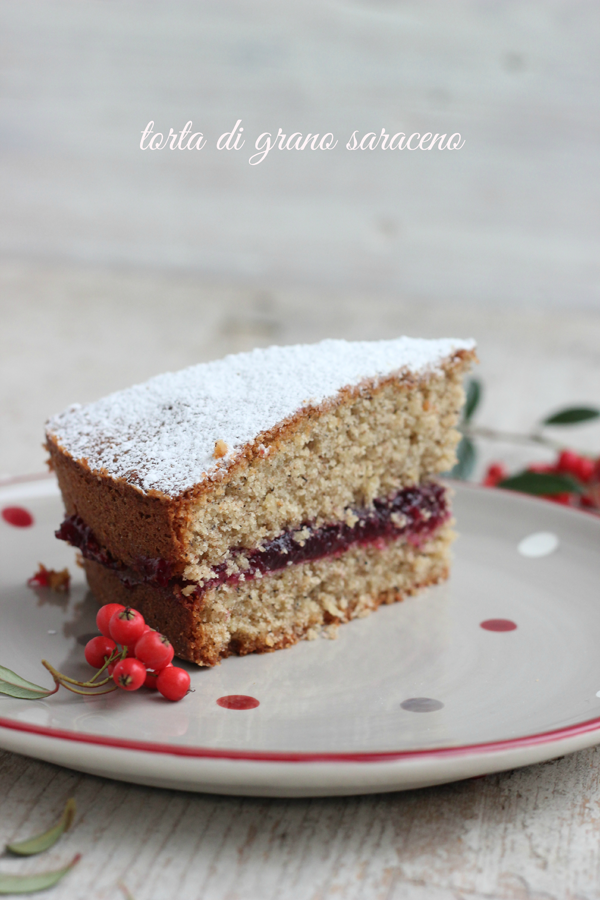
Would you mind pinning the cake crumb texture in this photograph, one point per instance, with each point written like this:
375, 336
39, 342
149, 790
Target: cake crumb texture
287, 606
322, 468
161, 435
318, 466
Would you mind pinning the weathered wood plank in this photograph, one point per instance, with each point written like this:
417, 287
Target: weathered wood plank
73, 333
532, 833
511, 216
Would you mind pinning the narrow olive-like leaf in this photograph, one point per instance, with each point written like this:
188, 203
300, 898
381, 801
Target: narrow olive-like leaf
540, 483
46, 839
11, 677
15, 686
466, 455
29, 884
473, 398
573, 415
22, 693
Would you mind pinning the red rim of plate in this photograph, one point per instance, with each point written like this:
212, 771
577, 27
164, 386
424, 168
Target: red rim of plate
544, 737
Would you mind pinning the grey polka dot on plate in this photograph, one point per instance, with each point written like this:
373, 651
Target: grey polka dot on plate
422, 704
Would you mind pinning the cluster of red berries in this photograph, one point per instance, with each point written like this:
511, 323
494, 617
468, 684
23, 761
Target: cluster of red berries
145, 657
584, 470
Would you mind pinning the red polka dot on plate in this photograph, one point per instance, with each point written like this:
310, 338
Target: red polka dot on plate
238, 701
17, 516
498, 625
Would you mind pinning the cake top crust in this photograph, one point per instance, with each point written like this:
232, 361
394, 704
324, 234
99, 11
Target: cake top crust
178, 429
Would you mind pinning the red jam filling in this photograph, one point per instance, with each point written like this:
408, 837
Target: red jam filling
413, 514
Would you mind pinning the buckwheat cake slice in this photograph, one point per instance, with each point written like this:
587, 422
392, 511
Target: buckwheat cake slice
244, 504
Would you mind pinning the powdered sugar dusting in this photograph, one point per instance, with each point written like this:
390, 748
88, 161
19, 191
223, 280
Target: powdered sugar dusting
161, 435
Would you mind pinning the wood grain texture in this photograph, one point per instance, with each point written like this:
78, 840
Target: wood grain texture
73, 333
513, 216
531, 834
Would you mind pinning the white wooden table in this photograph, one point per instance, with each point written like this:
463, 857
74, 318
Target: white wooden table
114, 269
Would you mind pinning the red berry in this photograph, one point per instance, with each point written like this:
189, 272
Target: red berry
495, 472
568, 462
130, 648
105, 613
173, 683
151, 677
150, 681
154, 650
98, 650
585, 469
127, 626
564, 499
129, 674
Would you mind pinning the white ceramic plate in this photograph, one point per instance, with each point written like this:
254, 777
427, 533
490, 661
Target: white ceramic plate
417, 694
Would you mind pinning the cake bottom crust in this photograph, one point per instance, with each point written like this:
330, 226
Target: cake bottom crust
283, 607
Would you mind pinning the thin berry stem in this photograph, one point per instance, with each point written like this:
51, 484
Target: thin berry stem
94, 683
58, 676
109, 659
66, 681
56, 687
89, 693
511, 437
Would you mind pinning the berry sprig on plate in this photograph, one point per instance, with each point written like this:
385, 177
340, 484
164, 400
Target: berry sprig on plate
571, 479
128, 654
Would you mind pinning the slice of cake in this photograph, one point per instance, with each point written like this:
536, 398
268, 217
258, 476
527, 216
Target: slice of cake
243, 504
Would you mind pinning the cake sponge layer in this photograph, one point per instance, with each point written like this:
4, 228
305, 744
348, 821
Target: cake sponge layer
367, 441
369, 444
161, 435
284, 607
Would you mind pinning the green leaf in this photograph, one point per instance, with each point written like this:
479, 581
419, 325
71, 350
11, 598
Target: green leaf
473, 398
29, 884
15, 686
46, 839
466, 455
540, 483
572, 415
